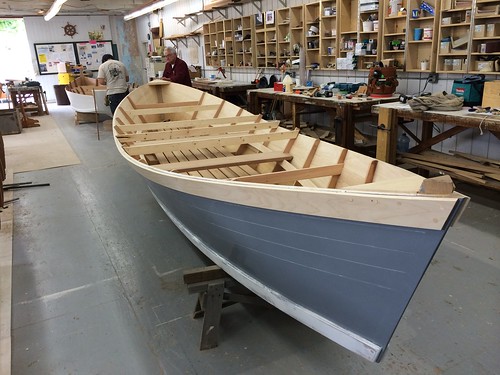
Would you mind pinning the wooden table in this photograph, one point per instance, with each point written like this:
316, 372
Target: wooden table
234, 92
343, 112
21, 95
389, 116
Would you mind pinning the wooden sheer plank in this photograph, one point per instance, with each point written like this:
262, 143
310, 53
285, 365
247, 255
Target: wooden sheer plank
196, 132
204, 142
163, 125
227, 161
164, 110
294, 175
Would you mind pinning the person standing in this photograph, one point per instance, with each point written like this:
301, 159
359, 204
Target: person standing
114, 75
176, 70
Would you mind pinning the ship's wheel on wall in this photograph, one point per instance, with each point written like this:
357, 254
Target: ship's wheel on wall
69, 29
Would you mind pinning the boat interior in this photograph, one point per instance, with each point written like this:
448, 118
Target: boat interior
205, 136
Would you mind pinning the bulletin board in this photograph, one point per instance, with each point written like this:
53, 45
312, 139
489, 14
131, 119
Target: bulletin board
49, 55
88, 54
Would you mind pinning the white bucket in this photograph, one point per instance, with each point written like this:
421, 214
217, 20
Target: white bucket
367, 25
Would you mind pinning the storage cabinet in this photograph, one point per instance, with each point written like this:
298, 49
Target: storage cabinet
452, 36
420, 56
485, 48
368, 40
394, 32
328, 43
312, 35
348, 27
243, 41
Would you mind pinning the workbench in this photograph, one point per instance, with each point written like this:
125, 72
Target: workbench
391, 114
20, 96
234, 92
344, 113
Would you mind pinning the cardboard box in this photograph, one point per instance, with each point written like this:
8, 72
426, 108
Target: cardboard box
485, 66
448, 64
444, 47
493, 29
457, 64
479, 31
491, 94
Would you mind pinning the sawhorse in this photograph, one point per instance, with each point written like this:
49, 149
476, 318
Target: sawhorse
216, 290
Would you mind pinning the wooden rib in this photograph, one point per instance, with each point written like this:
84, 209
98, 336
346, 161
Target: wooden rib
133, 105
311, 154
132, 126
203, 142
333, 181
179, 156
196, 132
165, 110
195, 114
294, 175
219, 109
227, 161
371, 172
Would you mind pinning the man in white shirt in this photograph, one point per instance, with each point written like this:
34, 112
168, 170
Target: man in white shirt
114, 75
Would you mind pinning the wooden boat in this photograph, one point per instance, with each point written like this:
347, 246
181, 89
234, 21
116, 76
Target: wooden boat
337, 240
88, 99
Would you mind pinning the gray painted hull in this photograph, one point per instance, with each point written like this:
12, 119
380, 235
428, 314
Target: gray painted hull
358, 276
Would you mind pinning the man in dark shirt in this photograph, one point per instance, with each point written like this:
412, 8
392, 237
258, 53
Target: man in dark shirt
176, 70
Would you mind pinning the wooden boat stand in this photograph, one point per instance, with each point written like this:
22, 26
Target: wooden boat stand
216, 290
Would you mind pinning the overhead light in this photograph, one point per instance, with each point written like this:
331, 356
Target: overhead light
54, 9
148, 8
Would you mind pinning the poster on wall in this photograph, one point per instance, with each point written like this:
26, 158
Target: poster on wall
90, 53
49, 55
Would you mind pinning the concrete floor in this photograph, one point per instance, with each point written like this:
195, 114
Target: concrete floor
97, 288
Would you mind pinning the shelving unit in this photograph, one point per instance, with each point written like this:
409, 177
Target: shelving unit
348, 12
328, 42
394, 28
459, 36
312, 35
243, 42
370, 39
283, 35
296, 31
486, 21
420, 52
455, 26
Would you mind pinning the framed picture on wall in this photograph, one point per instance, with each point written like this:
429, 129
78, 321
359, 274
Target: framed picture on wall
259, 19
48, 55
270, 17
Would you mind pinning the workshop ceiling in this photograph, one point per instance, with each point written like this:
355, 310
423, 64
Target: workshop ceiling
22, 8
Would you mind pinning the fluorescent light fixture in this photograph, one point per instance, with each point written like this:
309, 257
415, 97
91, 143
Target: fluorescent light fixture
148, 8
54, 9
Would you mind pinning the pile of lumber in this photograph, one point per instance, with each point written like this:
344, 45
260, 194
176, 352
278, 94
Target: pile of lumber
461, 166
